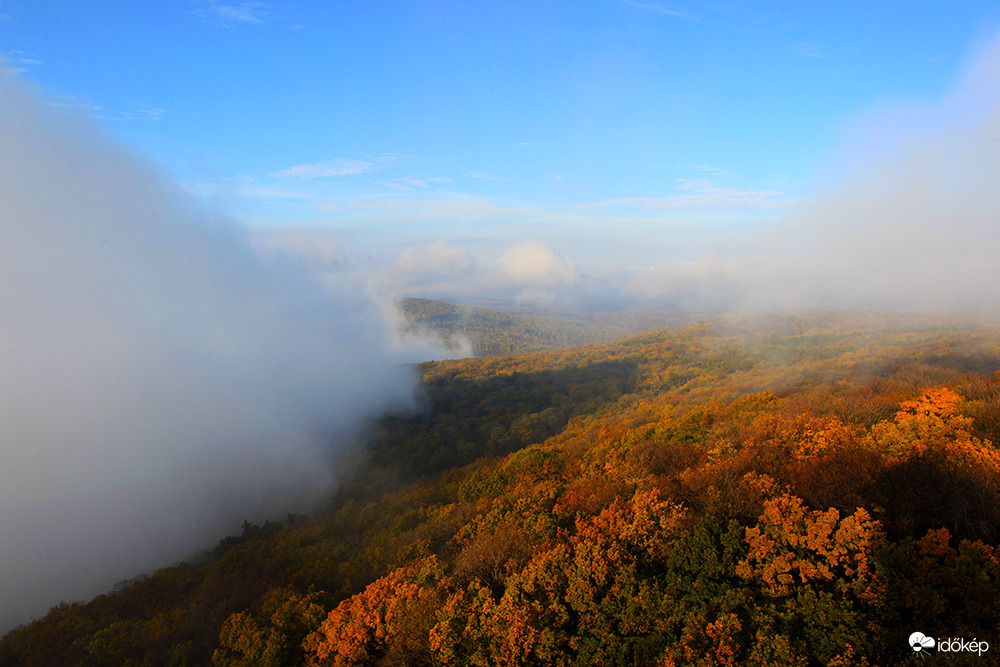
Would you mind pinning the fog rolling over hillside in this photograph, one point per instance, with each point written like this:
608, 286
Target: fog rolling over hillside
911, 222
161, 380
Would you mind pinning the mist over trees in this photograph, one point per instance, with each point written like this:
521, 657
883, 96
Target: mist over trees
162, 379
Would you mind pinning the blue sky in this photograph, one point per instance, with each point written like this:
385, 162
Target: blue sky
617, 133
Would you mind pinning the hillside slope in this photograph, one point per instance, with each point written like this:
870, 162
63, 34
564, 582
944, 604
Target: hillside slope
798, 490
492, 332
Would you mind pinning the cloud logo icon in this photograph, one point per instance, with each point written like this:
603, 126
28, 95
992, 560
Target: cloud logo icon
920, 642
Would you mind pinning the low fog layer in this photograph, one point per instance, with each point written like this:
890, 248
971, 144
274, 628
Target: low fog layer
161, 380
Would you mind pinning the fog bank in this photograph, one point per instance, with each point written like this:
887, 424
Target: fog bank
912, 224
161, 380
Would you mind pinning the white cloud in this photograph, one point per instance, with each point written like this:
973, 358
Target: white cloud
914, 227
537, 264
435, 261
527, 272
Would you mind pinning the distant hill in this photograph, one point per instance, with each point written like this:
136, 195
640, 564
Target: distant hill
504, 330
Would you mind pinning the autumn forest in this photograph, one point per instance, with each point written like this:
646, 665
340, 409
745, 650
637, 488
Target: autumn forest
784, 490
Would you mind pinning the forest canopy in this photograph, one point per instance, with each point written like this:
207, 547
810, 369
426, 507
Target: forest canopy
788, 490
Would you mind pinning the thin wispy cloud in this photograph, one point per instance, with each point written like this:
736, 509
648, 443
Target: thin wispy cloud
337, 167
700, 195
485, 177
412, 183
745, 22
327, 169
69, 102
235, 13
462, 209
6, 17
710, 170
16, 62
636, 218
141, 114
694, 201
660, 9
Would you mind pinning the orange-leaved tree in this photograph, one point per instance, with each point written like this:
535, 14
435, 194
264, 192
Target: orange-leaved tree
387, 623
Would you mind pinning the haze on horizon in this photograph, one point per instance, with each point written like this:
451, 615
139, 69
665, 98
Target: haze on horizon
628, 150
608, 155
910, 222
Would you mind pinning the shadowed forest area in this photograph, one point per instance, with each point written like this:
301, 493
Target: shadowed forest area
490, 332
784, 490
